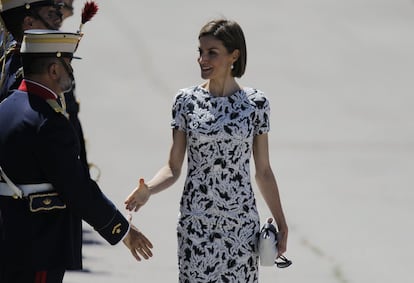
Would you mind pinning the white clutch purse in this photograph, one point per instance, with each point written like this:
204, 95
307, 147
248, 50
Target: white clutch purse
268, 244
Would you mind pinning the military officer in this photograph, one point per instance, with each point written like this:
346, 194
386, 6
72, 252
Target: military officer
18, 16
21, 15
45, 189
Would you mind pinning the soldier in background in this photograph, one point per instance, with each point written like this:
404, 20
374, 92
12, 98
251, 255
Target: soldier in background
18, 16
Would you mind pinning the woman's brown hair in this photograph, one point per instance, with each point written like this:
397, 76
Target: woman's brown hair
232, 37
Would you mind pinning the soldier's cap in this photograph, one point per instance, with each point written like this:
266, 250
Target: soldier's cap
50, 43
7, 5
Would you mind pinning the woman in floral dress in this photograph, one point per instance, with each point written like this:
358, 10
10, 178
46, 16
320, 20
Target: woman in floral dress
220, 125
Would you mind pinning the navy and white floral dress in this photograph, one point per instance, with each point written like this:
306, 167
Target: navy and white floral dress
218, 222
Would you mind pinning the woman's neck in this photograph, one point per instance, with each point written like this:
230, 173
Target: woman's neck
224, 88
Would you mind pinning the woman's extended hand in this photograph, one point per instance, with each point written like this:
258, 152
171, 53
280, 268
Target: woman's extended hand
138, 197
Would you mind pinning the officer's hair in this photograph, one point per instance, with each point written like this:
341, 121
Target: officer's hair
35, 64
232, 37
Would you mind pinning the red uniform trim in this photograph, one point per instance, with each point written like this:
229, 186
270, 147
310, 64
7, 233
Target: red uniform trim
37, 89
40, 277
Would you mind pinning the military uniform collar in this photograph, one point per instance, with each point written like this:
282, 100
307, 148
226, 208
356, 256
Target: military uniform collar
37, 89
54, 100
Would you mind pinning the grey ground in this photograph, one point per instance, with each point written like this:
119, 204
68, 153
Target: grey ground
339, 75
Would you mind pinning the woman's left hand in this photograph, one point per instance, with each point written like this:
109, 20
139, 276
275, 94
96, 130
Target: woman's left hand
138, 197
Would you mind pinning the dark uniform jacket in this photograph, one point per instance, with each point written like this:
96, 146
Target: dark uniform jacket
39, 145
13, 76
72, 108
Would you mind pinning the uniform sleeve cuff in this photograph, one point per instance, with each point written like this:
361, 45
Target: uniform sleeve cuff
116, 229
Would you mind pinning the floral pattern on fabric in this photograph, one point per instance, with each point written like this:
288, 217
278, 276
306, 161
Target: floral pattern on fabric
218, 223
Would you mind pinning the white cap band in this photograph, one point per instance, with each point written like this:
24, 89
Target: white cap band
49, 41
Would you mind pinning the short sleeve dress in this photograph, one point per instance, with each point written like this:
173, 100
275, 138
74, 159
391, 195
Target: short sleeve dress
218, 222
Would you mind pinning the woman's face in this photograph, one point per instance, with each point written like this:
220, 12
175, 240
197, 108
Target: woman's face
214, 59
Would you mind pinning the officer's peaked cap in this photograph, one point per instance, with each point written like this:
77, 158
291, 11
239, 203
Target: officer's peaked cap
7, 5
50, 43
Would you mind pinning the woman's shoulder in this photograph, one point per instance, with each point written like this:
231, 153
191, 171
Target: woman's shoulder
256, 96
252, 92
190, 92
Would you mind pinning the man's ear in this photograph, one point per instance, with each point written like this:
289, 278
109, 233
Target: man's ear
28, 23
53, 70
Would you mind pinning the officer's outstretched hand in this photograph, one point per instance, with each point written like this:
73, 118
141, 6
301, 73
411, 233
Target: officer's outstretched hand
137, 243
138, 197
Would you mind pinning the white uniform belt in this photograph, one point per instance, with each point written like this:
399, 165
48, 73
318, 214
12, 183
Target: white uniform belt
28, 189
